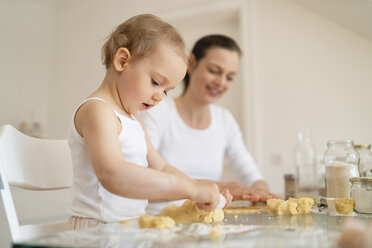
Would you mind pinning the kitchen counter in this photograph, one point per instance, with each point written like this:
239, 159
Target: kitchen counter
259, 229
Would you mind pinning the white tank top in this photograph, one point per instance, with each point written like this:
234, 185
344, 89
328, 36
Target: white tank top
90, 198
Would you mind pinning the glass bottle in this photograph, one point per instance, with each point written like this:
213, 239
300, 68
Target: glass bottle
290, 186
365, 164
341, 161
305, 165
320, 175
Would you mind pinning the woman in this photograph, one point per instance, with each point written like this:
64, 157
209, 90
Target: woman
194, 135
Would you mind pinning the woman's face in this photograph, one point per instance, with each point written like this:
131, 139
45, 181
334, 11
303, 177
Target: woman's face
212, 76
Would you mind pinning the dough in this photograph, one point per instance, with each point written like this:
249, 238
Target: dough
273, 204
244, 209
344, 205
304, 205
287, 207
158, 222
290, 206
189, 212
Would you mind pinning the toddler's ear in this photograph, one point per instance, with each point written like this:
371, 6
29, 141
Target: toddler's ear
192, 63
121, 58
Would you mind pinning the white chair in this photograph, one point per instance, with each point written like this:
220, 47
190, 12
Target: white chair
31, 164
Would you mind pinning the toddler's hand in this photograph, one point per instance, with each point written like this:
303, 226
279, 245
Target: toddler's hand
206, 195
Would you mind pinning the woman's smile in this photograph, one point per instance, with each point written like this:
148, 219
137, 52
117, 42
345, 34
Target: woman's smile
213, 92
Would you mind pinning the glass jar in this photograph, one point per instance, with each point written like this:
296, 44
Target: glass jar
341, 161
365, 164
361, 191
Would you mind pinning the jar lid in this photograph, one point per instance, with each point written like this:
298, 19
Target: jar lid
347, 142
368, 146
361, 179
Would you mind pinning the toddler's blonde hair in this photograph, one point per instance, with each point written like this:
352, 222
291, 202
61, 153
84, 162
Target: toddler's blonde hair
141, 35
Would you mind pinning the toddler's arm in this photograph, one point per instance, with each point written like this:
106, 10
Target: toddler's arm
99, 127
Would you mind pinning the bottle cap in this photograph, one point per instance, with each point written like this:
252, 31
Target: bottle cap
290, 177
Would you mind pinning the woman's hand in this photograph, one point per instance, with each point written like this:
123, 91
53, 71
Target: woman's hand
261, 185
245, 193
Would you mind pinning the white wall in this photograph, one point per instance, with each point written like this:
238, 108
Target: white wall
309, 73
27, 33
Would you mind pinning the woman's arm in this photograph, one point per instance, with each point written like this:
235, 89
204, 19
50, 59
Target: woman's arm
244, 167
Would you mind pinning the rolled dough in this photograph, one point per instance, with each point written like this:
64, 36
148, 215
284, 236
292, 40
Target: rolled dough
244, 209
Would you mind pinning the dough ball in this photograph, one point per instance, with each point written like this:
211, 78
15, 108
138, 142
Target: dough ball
304, 205
273, 205
344, 205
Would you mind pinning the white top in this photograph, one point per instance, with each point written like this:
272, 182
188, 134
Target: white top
199, 153
90, 198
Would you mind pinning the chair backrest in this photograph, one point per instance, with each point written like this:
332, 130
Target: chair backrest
31, 164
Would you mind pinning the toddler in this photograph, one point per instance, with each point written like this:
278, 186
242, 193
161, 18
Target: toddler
116, 168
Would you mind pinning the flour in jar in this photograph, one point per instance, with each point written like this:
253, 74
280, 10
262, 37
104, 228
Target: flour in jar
337, 179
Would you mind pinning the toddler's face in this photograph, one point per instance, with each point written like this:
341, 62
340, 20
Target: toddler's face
213, 75
144, 82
